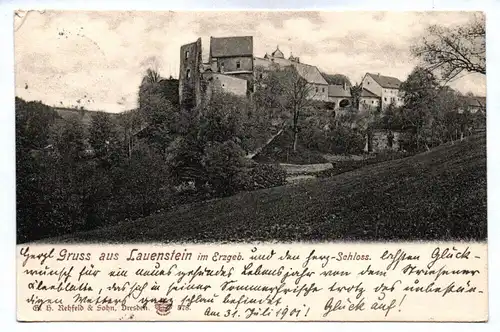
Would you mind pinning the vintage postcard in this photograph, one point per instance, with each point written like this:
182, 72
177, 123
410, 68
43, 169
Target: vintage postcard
251, 166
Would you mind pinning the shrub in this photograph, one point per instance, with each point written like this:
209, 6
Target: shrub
222, 163
261, 176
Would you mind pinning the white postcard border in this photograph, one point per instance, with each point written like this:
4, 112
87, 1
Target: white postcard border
7, 165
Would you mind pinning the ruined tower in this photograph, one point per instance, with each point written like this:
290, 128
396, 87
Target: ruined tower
190, 94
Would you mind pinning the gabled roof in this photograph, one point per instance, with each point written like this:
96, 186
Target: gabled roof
310, 73
231, 46
368, 94
386, 81
338, 91
477, 101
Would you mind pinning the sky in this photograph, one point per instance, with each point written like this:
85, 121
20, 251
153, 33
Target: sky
97, 59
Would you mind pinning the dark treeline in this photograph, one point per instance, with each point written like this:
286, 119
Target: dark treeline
74, 177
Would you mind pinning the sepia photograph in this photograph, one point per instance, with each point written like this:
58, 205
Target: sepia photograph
250, 126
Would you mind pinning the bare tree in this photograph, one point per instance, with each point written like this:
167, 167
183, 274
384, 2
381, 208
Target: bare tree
152, 76
452, 51
296, 95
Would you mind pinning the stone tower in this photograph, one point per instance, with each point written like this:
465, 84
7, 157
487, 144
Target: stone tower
190, 94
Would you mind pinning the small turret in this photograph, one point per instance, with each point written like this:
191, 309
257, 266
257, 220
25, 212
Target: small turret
278, 53
294, 59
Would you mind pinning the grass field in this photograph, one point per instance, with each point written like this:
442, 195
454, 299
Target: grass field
437, 195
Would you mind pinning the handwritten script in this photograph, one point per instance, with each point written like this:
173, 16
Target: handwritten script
331, 282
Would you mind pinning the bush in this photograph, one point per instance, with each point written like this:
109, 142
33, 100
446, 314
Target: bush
222, 164
261, 176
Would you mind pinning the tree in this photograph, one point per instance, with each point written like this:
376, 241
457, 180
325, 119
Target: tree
391, 118
454, 119
356, 94
208, 153
103, 137
33, 122
68, 137
452, 51
157, 111
170, 89
293, 94
130, 122
420, 92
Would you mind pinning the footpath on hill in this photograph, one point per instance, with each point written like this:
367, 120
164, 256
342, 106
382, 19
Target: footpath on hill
436, 195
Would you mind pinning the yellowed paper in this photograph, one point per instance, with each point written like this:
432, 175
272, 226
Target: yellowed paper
251, 166
329, 282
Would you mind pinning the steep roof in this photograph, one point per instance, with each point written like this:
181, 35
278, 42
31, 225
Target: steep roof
338, 91
368, 94
231, 46
386, 81
477, 101
310, 73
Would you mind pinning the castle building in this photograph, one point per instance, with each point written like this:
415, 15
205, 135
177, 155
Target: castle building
312, 75
232, 56
232, 67
229, 69
190, 74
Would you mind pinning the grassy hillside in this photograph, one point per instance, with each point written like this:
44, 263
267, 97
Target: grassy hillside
438, 195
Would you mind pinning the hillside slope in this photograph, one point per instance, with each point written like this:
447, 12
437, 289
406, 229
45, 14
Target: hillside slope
437, 195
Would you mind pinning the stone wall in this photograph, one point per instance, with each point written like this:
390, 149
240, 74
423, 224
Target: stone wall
318, 92
225, 83
230, 64
382, 140
189, 75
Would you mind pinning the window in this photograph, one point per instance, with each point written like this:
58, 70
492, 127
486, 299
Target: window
186, 55
260, 75
188, 74
385, 98
323, 90
316, 89
372, 101
238, 64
